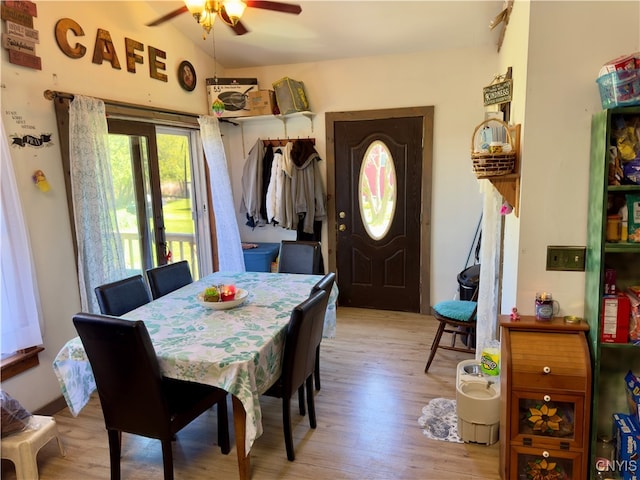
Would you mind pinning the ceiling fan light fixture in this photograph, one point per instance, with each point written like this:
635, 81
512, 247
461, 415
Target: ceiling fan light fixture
206, 20
196, 8
233, 10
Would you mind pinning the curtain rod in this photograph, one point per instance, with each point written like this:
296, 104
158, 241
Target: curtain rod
52, 94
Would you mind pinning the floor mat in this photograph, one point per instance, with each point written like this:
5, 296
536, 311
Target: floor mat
439, 420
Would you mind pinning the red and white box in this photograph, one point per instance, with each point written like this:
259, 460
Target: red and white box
615, 319
624, 62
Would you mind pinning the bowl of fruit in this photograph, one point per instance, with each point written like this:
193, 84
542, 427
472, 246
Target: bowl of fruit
222, 297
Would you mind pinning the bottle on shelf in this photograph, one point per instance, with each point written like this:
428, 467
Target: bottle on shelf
604, 459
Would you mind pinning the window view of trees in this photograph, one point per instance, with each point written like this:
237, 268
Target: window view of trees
377, 190
174, 164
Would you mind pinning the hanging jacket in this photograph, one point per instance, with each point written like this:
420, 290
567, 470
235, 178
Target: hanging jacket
274, 189
252, 185
307, 189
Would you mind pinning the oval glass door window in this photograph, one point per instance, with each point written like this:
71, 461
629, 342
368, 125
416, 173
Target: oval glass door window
377, 190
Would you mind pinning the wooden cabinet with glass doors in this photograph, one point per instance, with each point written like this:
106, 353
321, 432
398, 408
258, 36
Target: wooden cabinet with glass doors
608, 193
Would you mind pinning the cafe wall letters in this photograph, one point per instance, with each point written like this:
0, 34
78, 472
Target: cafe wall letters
20, 38
104, 49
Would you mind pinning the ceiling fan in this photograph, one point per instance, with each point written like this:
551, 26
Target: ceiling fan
230, 11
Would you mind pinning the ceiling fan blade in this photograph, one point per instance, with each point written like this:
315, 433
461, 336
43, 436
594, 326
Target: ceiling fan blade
168, 16
275, 6
239, 28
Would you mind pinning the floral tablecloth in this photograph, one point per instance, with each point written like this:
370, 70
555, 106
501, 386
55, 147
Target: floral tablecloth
239, 349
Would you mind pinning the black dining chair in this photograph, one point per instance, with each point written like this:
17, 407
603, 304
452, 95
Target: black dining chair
298, 362
167, 278
297, 256
122, 296
326, 284
134, 396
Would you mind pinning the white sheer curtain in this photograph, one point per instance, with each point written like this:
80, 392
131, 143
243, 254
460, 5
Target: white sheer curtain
490, 270
230, 258
100, 251
20, 301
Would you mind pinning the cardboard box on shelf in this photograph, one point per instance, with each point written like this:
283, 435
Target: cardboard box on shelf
262, 102
615, 319
233, 92
627, 439
290, 96
632, 384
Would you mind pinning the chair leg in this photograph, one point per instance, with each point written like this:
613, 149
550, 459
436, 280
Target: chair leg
434, 345
223, 426
317, 371
311, 402
286, 422
114, 453
167, 459
301, 400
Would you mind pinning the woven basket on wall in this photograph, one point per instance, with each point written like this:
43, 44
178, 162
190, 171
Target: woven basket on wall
486, 163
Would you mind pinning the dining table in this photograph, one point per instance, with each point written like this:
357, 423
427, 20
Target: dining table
238, 349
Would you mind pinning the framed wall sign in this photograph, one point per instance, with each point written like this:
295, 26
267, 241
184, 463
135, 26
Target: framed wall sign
497, 93
187, 76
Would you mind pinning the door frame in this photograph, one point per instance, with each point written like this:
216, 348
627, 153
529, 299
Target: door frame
425, 211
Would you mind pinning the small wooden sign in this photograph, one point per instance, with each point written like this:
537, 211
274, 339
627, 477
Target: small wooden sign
24, 6
16, 16
497, 93
18, 44
25, 60
20, 31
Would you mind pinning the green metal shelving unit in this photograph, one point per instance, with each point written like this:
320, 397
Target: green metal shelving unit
610, 362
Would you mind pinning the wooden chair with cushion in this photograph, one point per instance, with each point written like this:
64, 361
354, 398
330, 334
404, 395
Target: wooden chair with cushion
298, 361
300, 257
326, 284
457, 317
134, 396
122, 296
167, 278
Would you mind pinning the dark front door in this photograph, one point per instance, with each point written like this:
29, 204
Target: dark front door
379, 202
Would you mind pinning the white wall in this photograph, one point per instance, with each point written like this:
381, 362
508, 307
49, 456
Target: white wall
567, 43
26, 111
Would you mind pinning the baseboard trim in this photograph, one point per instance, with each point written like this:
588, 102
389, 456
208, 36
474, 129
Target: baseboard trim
53, 407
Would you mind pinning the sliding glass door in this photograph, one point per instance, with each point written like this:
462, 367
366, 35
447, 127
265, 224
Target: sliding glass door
154, 186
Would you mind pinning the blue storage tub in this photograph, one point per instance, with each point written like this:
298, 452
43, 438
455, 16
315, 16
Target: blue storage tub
259, 259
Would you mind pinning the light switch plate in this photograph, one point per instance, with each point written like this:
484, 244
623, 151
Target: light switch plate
564, 258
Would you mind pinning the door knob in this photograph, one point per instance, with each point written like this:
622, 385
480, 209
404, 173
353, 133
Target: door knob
342, 215
342, 227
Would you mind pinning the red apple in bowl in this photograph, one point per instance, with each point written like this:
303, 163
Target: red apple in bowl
228, 293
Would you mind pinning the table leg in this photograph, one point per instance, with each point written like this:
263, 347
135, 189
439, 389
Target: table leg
240, 425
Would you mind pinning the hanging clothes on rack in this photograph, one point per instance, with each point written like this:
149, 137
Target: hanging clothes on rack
251, 185
267, 163
274, 189
285, 213
282, 185
307, 190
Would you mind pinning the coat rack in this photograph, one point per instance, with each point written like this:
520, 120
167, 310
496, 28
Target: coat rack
281, 142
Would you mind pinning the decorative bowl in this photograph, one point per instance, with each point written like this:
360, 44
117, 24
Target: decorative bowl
241, 296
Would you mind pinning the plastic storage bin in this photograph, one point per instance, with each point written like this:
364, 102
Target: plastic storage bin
619, 88
259, 259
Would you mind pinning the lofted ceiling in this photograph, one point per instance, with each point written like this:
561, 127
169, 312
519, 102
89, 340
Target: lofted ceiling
332, 29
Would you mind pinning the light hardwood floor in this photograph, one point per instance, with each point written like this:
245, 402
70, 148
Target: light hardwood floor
373, 391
